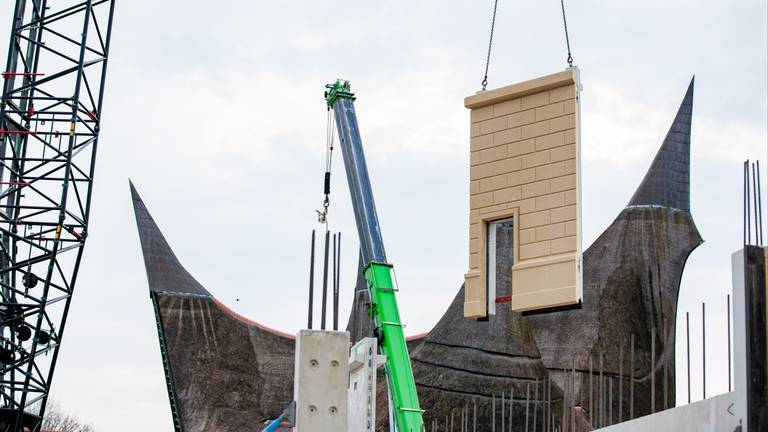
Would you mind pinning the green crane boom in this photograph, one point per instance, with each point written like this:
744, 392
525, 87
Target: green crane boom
378, 273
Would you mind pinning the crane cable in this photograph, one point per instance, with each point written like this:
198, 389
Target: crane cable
567, 39
569, 59
322, 216
490, 44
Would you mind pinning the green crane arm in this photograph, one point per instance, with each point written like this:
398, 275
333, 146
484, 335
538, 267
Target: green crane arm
384, 311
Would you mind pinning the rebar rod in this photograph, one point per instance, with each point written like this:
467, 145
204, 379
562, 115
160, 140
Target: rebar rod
325, 282
503, 419
535, 403
759, 204
754, 197
311, 281
527, 404
333, 286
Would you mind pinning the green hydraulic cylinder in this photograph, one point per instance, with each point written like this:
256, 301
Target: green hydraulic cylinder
379, 275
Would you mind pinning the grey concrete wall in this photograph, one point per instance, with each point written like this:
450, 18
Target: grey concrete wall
710, 415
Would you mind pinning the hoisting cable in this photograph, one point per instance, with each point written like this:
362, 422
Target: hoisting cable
567, 39
490, 44
322, 216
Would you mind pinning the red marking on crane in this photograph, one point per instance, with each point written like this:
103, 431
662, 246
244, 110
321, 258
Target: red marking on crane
16, 183
8, 74
10, 132
506, 299
91, 114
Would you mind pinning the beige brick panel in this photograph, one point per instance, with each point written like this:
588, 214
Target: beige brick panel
481, 114
549, 141
560, 123
474, 158
474, 187
493, 183
570, 136
563, 214
474, 244
550, 171
562, 153
562, 93
507, 136
480, 171
534, 100
481, 200
563, 183
570, 228
547, 202
493, 125
570, 166
493, 209
506, 195
536, 159
480, 143
550, 232
474, 230
534, 250
474, 130
536, 189
550, 111
535, 129
569, 106
506, 107
507, 165
527, 236
521, 118
536, 219
493, 154
563, 245
526, 205
570, 197
521, 147
521, 177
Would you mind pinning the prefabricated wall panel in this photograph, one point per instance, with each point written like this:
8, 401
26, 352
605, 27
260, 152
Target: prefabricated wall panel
525, 165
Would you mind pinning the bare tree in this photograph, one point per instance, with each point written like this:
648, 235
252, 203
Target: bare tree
57, 420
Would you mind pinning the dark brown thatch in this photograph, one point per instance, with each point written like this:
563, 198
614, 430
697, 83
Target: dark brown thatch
223, 372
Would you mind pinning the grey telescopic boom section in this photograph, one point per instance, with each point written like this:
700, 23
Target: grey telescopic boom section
366, 218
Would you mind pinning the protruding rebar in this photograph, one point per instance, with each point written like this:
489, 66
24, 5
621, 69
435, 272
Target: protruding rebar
311, 281
759, 205
703, 351
754, 197
688, 351
325, 281
338, 285
747, 209
610, 400
333, 285
549, 402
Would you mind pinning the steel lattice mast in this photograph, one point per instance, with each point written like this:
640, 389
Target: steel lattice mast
52, 94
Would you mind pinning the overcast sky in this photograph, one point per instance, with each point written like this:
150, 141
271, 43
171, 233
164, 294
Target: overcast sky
218, 117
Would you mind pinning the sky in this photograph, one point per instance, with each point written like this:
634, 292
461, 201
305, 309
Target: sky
217, 116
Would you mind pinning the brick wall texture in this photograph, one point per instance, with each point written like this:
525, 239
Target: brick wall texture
524, 163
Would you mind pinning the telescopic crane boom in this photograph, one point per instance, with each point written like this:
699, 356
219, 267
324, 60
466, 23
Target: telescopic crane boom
378, 273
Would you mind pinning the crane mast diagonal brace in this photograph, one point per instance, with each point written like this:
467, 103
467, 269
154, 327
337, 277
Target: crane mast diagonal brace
378, 274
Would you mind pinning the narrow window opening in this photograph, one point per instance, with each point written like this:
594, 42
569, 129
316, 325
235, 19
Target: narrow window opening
500, 257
